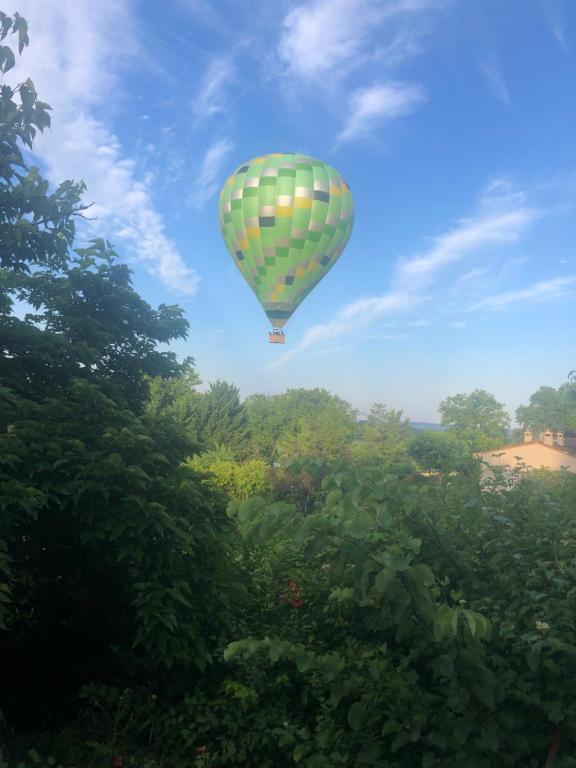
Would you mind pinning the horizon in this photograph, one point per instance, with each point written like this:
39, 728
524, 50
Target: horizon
451, 121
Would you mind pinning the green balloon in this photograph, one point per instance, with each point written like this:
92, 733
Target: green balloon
285, 218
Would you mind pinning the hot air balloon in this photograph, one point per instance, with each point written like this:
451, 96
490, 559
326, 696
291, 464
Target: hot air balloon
285, 219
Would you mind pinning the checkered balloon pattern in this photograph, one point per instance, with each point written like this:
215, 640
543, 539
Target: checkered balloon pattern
285, 218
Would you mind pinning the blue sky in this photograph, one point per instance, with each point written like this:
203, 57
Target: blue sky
453, 121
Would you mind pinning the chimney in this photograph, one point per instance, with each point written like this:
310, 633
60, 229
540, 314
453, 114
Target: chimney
548, 439
528, 436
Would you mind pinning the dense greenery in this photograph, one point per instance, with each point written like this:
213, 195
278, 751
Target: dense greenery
478, 420
112, 551
550, 408
186, 578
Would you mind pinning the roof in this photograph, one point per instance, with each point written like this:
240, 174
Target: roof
564, 449
534, 454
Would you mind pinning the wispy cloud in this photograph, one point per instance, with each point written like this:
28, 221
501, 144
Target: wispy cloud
492, 71
552, 10
351, 318
74, 63
208, 178
503, 217
542, 291
332, 36
369, 107
326, 36
212, 95
467, 237
324, 41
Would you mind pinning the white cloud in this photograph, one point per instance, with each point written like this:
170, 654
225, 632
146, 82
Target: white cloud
468, 236
503, 217
358, 314
370, 106
552, 10
208, 178
211, 97
75, 61
543, 291
324, 41
492, 71
332, 37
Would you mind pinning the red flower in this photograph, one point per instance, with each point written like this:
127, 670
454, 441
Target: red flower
201, 751
117, 761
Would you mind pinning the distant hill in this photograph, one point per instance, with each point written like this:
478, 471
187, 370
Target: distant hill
420, 425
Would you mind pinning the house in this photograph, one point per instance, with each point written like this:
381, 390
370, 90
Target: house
552, 450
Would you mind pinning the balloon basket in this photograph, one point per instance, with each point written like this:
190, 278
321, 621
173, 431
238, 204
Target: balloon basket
276, 337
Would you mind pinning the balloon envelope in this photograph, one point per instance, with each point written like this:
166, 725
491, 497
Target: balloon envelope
286, 219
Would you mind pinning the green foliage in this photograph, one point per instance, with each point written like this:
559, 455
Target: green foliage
221, 418
436, 451
300, 422
383, 439
435, 624
113, 555
101, 518
88, 323
177, 399
237, 479
32, 760
346, 611
550, 408
36, 225
478, 420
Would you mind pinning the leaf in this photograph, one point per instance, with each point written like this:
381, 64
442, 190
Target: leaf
337, 693
300, 751
303, 661
21, 26
7, 60
454, 621
233, 650
486, 696
333, 498
360, 525
472, 624
357, 716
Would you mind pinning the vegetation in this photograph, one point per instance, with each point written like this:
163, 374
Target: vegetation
189, 579
478, 421
550, 408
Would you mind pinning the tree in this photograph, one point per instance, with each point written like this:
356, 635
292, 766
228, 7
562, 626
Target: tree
88, 323
221, 418
549, 408
265, 425
435, 451
383, 438
112, 551
176, 401
478, 420
300, 422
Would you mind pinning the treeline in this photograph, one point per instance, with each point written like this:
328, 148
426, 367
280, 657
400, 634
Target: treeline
238, 438
188, 579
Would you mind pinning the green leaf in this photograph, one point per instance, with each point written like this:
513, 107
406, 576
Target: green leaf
360, 525
357, 716
334, 498
486, 696
300, 751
